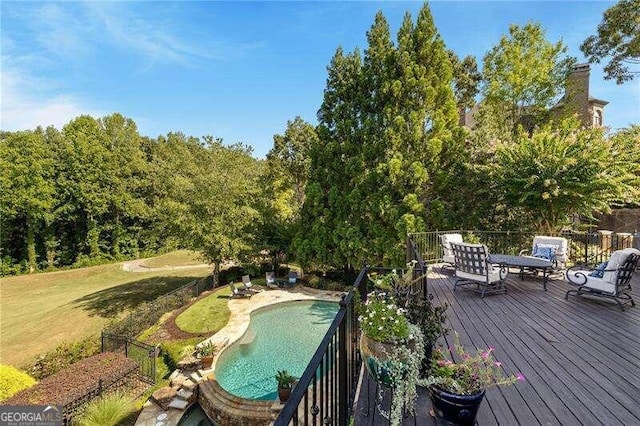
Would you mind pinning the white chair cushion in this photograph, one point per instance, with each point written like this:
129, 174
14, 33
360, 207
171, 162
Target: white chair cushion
583, 278
446, 240
494, 276
615, 261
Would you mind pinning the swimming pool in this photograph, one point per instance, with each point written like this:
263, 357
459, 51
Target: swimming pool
280, 337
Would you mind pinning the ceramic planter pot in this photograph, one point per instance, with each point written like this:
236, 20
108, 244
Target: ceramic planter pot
284, 393
207, 361
451, 409
374, 354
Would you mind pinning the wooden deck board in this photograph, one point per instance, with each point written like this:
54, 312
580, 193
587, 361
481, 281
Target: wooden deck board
580, 357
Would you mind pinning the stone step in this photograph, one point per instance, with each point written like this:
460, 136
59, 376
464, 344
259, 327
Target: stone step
196, 377
178, 403
184, 394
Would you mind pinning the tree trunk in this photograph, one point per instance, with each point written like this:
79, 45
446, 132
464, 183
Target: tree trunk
216, 273
31, 245
93, 235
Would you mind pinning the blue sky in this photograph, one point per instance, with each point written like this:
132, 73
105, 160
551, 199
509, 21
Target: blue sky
236, 70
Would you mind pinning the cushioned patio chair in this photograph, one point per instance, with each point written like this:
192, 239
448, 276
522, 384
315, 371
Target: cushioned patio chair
473, 268
293, 278
554, 249
238, 291
447, 251
610, 280
271, 279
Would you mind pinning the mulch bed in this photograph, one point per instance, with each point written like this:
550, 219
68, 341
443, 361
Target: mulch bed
77, 380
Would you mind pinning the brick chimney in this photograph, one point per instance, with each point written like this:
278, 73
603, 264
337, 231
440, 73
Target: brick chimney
577, 92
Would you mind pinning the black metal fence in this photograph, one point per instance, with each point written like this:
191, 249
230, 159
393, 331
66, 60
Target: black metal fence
143, 353
147, 314
584, 247
125, 381
325, 393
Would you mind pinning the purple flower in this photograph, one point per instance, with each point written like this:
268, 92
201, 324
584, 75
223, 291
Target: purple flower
520, 377
498, 364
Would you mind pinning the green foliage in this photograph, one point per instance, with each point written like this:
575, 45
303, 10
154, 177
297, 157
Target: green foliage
556, 173
473, 373
466, 79
428, 318
62, 356
110, 410
618, 38
13, 381
174, 350
382, 125
284, 379
523, 76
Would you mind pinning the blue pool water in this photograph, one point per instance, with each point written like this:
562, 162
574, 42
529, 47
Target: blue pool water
280, 337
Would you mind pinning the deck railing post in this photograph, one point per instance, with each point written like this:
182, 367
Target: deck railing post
343, 359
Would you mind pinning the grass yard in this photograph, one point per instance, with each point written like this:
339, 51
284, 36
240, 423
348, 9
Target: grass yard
37, 312
175, 258
208, 315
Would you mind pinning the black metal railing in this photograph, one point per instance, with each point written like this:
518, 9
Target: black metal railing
147, 314
143, 353
125, 381
584, 247
325, 393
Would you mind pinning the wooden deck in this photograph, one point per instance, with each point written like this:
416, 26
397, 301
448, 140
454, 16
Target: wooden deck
581, 357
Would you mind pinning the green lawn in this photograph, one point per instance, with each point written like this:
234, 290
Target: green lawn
175, 258
37, 312
208, 315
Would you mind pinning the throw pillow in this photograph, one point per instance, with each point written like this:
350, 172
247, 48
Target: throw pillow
545, 251
599, 271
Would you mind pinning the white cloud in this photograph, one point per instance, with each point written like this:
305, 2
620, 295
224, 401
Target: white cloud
25, 105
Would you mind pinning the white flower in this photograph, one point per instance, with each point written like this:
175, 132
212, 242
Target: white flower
380, 328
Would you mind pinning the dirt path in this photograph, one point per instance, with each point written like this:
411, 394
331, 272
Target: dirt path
137, 266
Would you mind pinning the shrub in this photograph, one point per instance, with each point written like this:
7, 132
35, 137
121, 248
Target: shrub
107, 411
13, 381
62, 356
173, 351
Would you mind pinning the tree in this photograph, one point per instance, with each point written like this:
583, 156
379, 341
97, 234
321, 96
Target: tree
27, 191
523, 77
212, 193
383, 122
288, 166
555, 173
618, 38
466, 80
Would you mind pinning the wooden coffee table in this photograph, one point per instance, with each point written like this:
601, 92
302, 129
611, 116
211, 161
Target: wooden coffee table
523, 262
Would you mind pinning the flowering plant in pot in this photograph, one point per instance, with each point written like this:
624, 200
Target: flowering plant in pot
205, 352
391, 350
431, 320
285, 383
457, 389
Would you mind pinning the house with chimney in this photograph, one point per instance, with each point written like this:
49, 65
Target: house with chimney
576, 100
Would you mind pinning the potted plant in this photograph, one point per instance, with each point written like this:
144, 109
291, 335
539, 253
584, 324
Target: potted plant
206, 351
285, 384
399, 285
391, 349
431, 321
457, 389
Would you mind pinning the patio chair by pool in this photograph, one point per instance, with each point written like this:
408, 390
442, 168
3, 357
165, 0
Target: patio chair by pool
271, 279
447, 251
474, 269
238, 291
610, 280
293, 278
554, 249
246, 283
